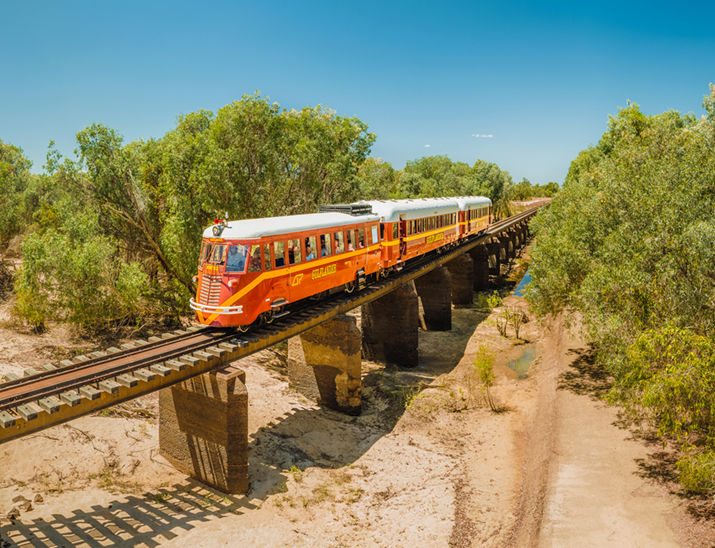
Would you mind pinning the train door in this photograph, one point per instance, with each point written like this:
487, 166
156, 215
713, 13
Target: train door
403, 235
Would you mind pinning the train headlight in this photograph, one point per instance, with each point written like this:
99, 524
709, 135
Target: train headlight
217, 229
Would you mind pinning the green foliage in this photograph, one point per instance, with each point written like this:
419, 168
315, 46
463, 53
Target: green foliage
484, 368
15, 179
629, 242
75, 275
434, 176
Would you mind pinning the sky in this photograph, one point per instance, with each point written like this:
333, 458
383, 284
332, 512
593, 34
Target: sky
526, 85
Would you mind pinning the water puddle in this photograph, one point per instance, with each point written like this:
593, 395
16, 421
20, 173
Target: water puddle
519, 291
521, 365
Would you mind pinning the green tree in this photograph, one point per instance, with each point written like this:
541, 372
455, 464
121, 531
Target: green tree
15, 178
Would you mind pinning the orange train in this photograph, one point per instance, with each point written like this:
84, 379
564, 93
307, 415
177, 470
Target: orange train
256, 270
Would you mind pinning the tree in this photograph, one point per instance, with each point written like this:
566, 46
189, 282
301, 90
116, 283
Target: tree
15, 178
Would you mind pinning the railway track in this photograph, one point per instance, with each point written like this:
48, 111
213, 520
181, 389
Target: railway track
63, 392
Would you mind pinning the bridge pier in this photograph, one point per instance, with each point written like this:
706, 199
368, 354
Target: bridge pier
462, 270
507, 247
480, 256
435, 291
203, 428
494, 262
389, 327
325, 364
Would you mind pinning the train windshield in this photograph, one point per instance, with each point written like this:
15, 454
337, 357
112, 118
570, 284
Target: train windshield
236, 261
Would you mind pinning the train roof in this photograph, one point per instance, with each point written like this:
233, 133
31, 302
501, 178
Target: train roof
468, 201
392, 210
249, 229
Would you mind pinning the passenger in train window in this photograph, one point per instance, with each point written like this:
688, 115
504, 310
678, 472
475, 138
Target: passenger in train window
294, 254
325, 245
280, 254
351, 239
361, 237
266, 257
339, 241
236, 261
254, 265
310, 248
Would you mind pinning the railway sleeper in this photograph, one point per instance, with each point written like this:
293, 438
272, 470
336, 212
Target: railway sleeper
50, 404
48, 367
66, 363
109, 386
155, 339
144, 375
80, 359
90, 393
28, 411
189, 360
216, 351
113, 350
127, 380
98, 354
176, 365
6, 419
160, 370
70, 398
30, 371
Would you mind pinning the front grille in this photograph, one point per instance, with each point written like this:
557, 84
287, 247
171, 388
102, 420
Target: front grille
210, 290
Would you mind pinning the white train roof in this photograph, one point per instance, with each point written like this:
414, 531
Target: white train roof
249, 229
472, 201
392, 210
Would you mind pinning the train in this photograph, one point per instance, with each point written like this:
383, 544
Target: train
253, 271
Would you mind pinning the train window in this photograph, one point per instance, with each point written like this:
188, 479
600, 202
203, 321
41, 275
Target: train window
431, 223
351, 240
382, 231
339, 242
294, 254
374, 235
254, 263
279, 254
266, 256
310, 248
420, 225
395, 231
361, 237
236, 261
217, 256
325, 245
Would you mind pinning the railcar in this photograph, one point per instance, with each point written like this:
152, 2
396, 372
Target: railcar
413, 228
475, 215
252, 270
256, 270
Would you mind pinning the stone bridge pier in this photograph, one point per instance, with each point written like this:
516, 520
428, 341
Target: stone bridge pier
389, 327
203, 428
325, 364
435, 292
462, 270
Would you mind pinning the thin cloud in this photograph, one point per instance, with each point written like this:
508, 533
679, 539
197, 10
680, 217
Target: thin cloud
427, 146
477, 135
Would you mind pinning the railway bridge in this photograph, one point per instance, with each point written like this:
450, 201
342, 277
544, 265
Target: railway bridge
203, 398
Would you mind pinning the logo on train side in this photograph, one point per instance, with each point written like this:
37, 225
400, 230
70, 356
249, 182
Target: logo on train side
323, 271
434, 238
297, 279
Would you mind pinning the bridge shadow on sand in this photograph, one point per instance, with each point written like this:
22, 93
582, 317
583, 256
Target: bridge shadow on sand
150, 519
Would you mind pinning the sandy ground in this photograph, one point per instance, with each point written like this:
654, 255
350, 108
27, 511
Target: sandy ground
427, 463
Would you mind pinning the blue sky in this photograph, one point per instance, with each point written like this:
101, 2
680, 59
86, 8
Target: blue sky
540, 77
